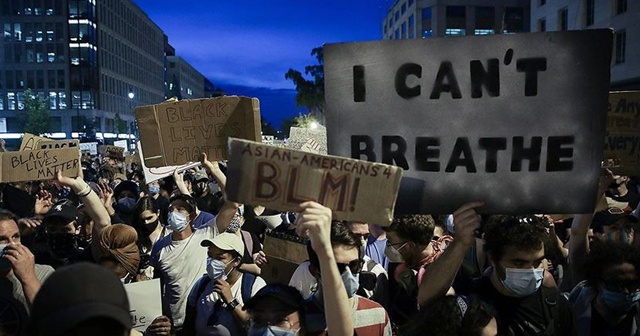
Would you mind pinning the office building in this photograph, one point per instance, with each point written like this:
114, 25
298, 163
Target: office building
622, 16
437, 18
92, 60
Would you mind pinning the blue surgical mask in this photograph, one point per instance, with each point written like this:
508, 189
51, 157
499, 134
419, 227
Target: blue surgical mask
126, 204
523, 282
272, 331
177, 221
620, 302
215, 269
154, 190
351, 282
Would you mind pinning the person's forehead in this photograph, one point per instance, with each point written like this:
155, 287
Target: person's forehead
513, 253
359, 228
8, 227
623, 271
147, 213
393, 237
345, 254
216, 251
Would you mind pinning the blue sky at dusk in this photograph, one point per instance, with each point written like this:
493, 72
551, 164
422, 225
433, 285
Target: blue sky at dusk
246, 46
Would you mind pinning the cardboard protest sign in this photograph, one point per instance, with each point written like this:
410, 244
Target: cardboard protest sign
114, 152
622, 138
156, 173
281, 179
30, 141
515, 120
144, 302
177, 132
41, 164
52, 144
310, 140
284, 253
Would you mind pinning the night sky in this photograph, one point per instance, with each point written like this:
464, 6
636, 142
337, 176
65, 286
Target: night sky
245, 47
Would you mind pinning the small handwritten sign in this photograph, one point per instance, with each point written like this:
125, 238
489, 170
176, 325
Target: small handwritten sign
144, 302
53, 144
30, 141
622, 137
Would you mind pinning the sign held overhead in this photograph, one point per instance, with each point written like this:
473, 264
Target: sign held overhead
177, 132
514, 120
281, 179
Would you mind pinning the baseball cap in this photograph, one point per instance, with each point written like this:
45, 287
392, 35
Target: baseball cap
199, 176
126, 185
226, 241
276, 297
76, 293
64, 210
610, 216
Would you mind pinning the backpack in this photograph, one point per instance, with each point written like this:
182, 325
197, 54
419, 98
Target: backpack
248, 280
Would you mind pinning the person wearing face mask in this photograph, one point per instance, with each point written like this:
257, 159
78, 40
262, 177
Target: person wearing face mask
369, 317
126, 194
606, 303
215, 303
155, 191
177, 258
513, 285
276, 309
410, 249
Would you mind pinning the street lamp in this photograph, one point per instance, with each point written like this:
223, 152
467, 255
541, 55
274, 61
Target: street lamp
131, 96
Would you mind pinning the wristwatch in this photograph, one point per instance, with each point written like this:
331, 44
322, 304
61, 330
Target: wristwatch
232, 305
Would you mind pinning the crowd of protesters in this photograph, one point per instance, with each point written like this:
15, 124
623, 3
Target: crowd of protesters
68, 245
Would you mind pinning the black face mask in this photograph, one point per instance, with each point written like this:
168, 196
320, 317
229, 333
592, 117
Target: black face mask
64, 245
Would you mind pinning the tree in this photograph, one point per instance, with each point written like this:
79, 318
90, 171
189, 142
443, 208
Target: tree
119, 125
302, 120
36, 116
310, 91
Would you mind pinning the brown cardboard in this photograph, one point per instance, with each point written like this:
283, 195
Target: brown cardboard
53, 144
281, 179
39, 164
177, 132
30, 141
283, 257
113, 152
622, 138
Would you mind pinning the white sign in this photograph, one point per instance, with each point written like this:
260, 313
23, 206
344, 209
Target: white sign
91, 147
144, 302
154, 174
121, 143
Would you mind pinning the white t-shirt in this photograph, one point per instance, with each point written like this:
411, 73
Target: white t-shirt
180, 264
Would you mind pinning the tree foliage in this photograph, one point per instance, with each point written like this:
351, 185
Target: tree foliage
302, 120
119, 125
36, 116
310, 91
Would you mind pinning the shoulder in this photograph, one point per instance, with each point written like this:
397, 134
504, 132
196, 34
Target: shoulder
369, 313
43, 271
258, 283
206, 216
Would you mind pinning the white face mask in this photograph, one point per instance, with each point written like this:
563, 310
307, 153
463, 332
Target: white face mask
216, 269
351, 282
523, 282
177, 221
393, 254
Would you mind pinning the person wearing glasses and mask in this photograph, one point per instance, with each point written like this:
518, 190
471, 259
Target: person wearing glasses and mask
215, 303
513, 285
606, 303
369, 317
410, 248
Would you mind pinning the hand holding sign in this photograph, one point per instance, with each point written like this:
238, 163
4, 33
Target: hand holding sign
314, 221
466, 221
161, 326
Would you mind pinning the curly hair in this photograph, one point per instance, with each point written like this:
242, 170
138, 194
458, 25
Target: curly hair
415, 228
444, 317
526, 233
606, 254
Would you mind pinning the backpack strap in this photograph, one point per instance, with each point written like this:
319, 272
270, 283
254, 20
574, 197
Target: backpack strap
248, 242
247, 284
551, 298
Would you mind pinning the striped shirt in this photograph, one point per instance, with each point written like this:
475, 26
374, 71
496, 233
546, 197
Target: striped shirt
369, 318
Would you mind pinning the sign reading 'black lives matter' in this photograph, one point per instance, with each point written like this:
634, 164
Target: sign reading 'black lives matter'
516, 121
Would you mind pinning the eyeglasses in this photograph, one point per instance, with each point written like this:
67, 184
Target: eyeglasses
355, 266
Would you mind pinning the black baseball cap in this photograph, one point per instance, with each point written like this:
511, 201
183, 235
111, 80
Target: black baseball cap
276, 297
611, 216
